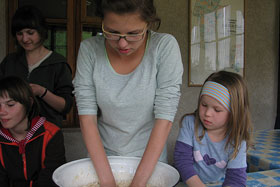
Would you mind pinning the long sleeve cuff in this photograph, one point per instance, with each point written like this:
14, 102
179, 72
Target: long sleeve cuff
235, 177
183, 160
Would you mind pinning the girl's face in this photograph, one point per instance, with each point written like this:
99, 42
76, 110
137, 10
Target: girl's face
127, 24
12, 115
213, 114
29, 39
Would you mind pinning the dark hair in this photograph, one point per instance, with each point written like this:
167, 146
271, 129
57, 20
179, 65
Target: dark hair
20, 91
146, 9
29, 17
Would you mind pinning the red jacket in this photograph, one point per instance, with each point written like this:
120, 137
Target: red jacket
31, 162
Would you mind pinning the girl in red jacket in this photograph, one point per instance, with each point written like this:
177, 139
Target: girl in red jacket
31, 148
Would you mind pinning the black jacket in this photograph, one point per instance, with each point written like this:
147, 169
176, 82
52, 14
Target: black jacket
53, 73
31, 165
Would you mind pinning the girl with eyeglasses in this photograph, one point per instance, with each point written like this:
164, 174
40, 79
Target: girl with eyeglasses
127, 88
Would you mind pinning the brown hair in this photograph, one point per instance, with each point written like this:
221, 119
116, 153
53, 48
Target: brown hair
146, 9
20, 91
239, 125
29, 17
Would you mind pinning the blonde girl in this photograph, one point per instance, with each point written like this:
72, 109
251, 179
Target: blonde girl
213, 141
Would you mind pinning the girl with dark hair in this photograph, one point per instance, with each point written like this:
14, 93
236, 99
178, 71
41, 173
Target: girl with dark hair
48, 73
31, 148
131, 76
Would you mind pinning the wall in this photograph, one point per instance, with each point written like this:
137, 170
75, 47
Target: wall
2, 29
261, 58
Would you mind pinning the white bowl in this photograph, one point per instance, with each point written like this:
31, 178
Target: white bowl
81, 173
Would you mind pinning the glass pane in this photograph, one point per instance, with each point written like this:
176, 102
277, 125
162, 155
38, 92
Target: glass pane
57, 40
90, 31
50, 8
91, 6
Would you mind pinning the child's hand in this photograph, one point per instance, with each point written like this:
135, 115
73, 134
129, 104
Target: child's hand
37, 89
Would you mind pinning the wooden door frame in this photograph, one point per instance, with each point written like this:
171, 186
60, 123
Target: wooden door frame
71, 55
11, 6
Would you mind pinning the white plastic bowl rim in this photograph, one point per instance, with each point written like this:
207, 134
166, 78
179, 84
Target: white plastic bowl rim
81, 172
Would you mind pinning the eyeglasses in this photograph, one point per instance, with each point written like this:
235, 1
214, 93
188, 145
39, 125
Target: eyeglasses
127, 37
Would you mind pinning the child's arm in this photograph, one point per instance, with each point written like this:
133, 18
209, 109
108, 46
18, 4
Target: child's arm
55, 157
183, 160
236, 175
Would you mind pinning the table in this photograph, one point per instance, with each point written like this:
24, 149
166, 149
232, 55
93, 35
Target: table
269, 178
266, 153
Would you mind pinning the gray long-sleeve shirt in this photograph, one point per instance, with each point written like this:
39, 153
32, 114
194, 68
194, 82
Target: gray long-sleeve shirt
129, 104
